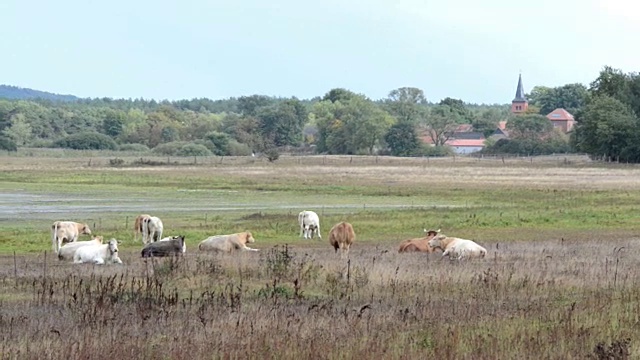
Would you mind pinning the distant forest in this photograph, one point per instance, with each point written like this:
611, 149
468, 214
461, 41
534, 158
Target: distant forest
339, 122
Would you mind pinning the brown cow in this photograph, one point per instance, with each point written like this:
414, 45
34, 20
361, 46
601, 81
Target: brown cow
137, 227
341, 236
419, 244
66, 232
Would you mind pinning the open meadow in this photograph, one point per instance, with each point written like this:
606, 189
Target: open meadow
561, 279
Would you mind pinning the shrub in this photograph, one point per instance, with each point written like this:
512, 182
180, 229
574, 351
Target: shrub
194, 150
218, 143
170, 148
238, 149
87, 141
7, 144
134, 147
272, 154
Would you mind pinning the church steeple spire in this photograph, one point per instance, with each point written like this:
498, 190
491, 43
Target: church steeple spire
519, 103
520, 91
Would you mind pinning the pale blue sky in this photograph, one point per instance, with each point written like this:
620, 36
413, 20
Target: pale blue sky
466, 49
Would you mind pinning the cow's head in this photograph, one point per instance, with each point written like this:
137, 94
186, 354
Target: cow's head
431, 233
436, 242
85, 229
98, 238
250, 238
112, 247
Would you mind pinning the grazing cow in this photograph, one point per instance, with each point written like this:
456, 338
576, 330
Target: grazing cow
66, 231
170, 246
457, 248
419, 244
227, 243
309, 224
341, 236
98, 254
137, 227
68, 250
151, 229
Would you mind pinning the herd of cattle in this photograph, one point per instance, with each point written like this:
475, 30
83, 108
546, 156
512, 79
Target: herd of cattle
65, 242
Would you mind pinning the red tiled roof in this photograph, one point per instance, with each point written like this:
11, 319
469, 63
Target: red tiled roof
465, 142
559, 114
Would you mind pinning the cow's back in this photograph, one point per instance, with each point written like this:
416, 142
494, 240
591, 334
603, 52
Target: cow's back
218, 243
342, 233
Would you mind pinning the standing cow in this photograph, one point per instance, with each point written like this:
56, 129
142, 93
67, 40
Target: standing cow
309, 224
341, 236
66, 232
152, 228
137, 226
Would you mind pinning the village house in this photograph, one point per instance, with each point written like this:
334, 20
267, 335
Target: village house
465, 141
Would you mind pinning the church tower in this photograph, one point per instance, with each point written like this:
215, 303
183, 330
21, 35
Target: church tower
519, 104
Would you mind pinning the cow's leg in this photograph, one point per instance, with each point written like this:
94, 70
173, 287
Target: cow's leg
318, 231
98, 261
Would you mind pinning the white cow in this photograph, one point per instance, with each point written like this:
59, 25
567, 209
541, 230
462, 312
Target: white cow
98, 254
309, 224
137, 226
457, 248
227, 243
66, 232
68, 250
151, 229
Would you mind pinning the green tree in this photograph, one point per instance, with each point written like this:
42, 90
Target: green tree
570, 97
407, 104
250, 105
282, 123
339, 95
219, 143
441, 123
458, 106
19, 131
532, 127
618, 85
607, 129
113, 122
402, 139
357, 125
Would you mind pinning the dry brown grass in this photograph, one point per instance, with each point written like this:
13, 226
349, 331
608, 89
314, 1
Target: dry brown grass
550, 299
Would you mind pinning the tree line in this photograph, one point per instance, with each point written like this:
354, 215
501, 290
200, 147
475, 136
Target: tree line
339, 122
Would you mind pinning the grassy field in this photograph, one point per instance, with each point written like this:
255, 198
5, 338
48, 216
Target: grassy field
561, 280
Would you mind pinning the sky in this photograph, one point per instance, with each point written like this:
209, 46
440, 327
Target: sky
465, 49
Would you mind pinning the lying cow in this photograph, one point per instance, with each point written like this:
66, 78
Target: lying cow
137, 226
309, 224
228, 243
341, 236
98, 254
419, 244
68, 250
457, 248
66, 232
152, 228
170, 246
